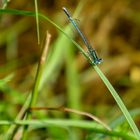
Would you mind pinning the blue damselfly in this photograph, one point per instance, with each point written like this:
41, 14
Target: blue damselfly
93, 55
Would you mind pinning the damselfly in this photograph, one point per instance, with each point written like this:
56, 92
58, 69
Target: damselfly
93, 55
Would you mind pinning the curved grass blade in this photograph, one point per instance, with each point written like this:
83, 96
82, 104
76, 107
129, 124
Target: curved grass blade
70, 123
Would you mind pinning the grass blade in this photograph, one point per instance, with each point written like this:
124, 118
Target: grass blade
119, 102
35, 91
70, 123
37, 21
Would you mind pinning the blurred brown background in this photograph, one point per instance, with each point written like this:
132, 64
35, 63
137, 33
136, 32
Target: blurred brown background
113, 29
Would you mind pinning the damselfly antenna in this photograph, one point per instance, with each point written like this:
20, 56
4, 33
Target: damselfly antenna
91, 51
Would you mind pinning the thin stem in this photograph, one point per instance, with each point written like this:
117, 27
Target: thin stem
65, 109
39, 70
34, 94
37, 21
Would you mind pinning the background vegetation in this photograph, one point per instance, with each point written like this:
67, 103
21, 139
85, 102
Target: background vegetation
68, 80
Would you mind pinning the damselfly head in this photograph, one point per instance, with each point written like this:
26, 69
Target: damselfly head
94, 57
98, 61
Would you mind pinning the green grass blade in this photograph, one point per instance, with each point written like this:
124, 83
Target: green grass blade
119, 102
70, 123
35, 90
37, 21
13, 128
73, 85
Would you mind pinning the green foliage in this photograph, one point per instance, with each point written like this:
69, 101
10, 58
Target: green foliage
53, 128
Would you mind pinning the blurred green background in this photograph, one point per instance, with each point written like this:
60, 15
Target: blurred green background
112, 28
